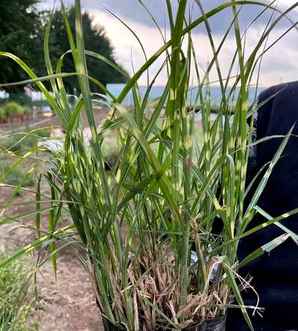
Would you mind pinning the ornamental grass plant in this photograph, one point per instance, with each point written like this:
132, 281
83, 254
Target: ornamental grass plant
161, 228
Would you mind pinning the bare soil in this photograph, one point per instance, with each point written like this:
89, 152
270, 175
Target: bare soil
66, 303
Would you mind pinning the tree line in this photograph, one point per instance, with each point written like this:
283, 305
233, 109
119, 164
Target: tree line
22, 28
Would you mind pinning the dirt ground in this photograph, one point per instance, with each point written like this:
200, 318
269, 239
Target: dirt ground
65, 304
68, 303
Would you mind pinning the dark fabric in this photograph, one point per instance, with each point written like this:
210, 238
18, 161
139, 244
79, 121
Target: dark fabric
275, 275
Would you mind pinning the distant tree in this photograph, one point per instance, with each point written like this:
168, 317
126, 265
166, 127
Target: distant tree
95, 40
19, 25
22, 31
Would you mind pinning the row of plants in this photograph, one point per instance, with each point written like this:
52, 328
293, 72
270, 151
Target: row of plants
11, 111
147, 226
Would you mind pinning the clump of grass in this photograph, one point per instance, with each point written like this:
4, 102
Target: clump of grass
16, 175
15, 306
148, 225
18, 156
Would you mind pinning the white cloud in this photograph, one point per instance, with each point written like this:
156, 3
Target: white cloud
127, 50
287, 2
278, 65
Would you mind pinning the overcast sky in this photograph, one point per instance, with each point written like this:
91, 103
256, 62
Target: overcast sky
279, 65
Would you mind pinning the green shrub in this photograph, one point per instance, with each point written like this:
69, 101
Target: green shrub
12, 109
14, 167
21, 142
3, 114
15, 174
20, 98
18, 177
27, 110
